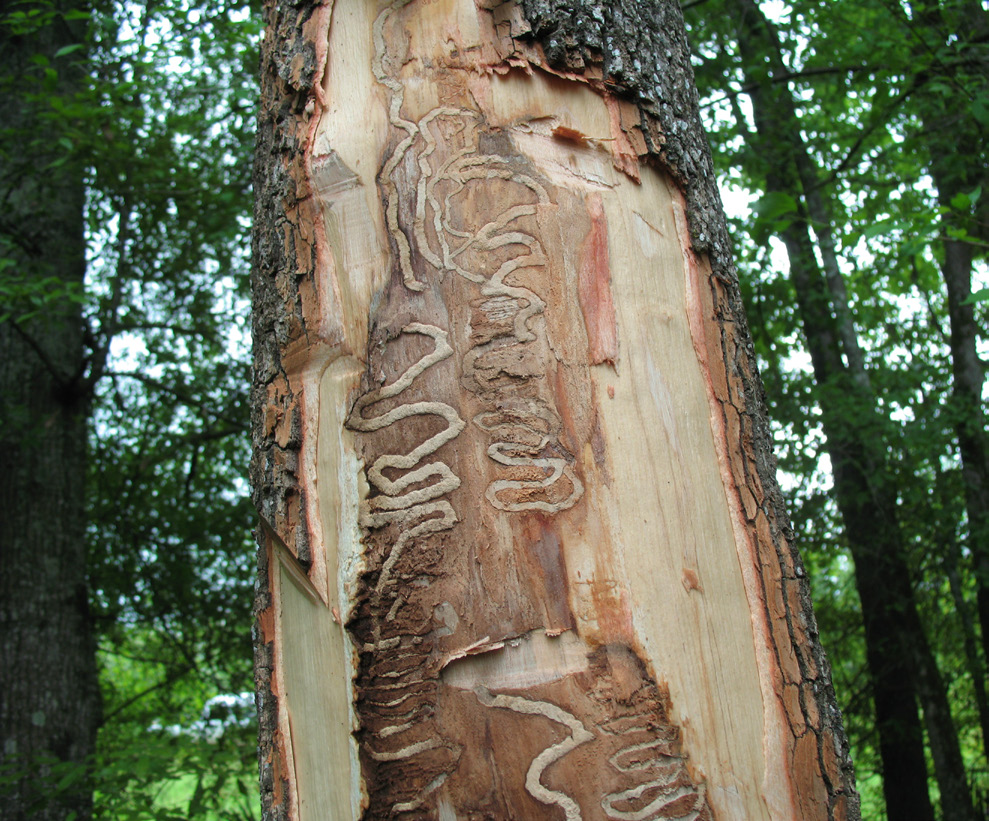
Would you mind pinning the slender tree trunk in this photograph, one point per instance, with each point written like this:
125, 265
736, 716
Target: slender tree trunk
958, 163
968, 374
968, 370
49, 698
901, 664
522, 553
949, 548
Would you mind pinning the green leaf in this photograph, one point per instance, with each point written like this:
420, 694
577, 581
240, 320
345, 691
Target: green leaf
961, 201
977, 297
774, 204
980, 110
884, 228
68, 49
957, 233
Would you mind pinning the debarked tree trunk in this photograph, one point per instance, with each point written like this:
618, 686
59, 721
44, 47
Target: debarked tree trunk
522, 552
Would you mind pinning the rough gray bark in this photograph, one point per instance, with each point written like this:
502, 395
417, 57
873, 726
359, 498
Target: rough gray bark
49, 697
288, 73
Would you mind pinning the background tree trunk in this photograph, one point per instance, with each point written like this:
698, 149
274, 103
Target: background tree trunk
522, 552
49, 697
956, 143
902, 667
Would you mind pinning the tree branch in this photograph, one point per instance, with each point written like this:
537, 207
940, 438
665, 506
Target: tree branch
168, 681
191, 401
61, 379
109, 324
786, 77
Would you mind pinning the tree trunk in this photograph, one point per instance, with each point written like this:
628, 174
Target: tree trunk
956, 142
522, 553
49, 698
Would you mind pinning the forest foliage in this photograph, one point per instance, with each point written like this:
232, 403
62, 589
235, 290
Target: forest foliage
170, 545
161, 136
853, 128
